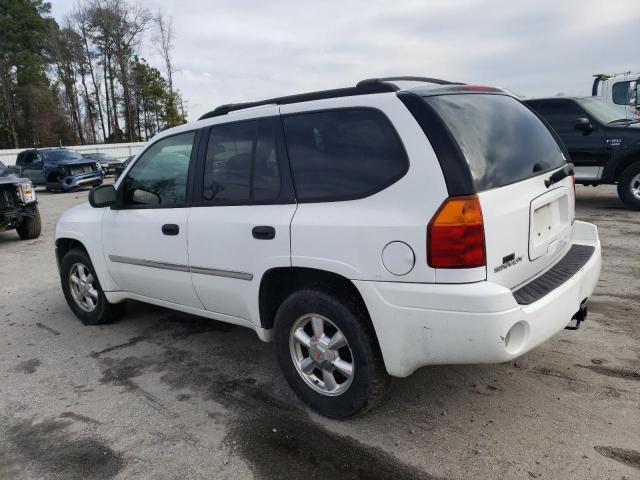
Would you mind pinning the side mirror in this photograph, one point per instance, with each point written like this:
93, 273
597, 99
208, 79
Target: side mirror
102, 196
584, 125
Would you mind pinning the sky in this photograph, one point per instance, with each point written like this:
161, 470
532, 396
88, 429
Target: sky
246, 50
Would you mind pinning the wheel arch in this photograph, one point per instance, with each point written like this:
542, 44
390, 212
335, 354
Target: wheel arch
624, 162
278, 283
67, 241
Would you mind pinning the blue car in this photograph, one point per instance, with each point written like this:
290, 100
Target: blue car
59, 169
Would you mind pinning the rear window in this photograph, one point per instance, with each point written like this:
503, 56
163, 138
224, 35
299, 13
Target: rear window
343, 154
502, 140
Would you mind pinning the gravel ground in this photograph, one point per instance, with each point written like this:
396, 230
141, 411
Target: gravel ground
160, 394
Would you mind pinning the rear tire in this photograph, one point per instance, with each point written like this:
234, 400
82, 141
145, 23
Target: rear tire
629, 186
85, 298
30, 227
338, 395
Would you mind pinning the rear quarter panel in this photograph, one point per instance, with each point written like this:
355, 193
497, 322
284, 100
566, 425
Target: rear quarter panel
348, 237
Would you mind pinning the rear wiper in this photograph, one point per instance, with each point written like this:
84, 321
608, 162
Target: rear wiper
559, 175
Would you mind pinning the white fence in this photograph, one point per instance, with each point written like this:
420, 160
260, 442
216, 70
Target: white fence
119, 150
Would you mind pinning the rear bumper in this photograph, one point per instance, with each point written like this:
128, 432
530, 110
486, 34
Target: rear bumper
428, 324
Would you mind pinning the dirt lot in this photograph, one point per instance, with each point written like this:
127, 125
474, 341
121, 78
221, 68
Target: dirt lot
160, 394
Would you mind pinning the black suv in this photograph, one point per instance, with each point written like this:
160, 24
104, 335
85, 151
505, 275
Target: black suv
18, 206
603, 145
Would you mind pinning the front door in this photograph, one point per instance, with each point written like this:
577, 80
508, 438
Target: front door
31, 167
241, 215
145, 239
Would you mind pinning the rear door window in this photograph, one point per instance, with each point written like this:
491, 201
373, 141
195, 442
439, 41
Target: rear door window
343, 154
242, 164
502, 140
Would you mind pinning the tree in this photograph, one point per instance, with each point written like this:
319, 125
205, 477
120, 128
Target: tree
30, 112
84, 81
164, 44
81, 18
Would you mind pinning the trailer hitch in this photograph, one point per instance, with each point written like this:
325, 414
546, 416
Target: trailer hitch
579, 317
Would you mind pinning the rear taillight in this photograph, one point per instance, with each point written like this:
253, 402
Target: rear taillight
455, 235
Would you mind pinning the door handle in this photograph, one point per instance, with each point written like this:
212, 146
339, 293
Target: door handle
264, 232
170, 229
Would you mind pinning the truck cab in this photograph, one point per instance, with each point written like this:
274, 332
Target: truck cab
619, 89
602, 143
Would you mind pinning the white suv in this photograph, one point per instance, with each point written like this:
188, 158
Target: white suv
368, 231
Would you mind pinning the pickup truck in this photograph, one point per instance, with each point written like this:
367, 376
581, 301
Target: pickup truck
18, 205
603, 146
58, 169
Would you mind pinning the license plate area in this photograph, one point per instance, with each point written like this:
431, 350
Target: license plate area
549, 222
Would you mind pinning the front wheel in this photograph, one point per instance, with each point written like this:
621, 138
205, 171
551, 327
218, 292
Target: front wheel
30, 227
328, 354
629, 186
82, 289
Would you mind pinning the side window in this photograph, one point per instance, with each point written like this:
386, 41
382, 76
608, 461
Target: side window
27, 158
343, 154
561, 115
242, 163
159, 177
621, 93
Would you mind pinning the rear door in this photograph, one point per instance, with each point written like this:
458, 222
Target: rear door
510, 153
588, 150
241, 215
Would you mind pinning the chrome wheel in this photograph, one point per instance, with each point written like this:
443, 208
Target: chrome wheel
635, 186
82, 289
321, 354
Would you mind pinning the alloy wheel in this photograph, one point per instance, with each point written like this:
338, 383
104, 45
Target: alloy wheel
83, 290
321, 354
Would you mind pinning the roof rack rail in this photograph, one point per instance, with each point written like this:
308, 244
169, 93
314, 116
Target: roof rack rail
437, 81
364, 87
304, 97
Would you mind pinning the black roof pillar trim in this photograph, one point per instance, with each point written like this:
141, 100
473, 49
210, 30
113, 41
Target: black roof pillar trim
455, 168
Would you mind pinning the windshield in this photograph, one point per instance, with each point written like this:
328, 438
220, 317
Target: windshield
501, 139
61, 154
603, 112
3, 168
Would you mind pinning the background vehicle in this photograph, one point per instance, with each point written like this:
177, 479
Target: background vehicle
622, 89
18, 205
58, 168
122, 167
368, 231
109, 163
604, 147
